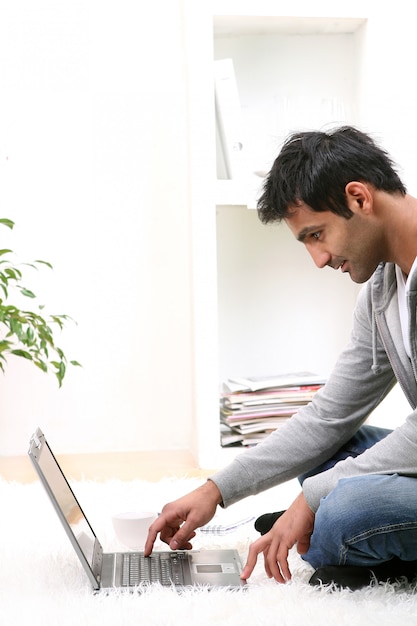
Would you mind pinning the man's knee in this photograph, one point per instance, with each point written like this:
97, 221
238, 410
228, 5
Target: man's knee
360, 515
341, 514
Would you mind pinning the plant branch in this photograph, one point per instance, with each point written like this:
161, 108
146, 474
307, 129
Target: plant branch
26, 333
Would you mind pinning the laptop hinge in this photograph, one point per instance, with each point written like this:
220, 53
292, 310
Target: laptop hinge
36, 441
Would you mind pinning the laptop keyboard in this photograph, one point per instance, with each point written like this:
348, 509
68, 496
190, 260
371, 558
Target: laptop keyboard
162, 567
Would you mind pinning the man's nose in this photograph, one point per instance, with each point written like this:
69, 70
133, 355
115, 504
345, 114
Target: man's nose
321, 258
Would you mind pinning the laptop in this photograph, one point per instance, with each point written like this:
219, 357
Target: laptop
127, 570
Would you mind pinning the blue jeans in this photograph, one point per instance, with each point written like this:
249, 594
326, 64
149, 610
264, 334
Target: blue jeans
365, 520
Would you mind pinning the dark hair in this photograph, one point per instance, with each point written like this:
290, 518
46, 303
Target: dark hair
315, 167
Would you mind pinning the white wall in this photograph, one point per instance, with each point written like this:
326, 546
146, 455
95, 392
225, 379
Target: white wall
93, 153
277, 312
387, 91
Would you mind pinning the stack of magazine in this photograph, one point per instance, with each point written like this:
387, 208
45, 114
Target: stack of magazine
251, 408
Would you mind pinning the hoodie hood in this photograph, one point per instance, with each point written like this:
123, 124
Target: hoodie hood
386, 326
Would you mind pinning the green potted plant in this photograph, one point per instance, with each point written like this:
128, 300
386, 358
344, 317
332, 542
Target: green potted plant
24, 332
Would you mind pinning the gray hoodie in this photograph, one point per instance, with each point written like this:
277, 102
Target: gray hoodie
365, 372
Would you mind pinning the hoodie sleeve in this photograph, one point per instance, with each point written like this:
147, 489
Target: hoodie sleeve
395, 454
318, 430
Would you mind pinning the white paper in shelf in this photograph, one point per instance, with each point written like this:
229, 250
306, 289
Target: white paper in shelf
257, 383
229, 118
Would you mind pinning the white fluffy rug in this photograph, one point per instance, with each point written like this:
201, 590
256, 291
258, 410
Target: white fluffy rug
42, 582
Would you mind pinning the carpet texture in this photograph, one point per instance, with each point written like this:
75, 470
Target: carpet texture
42, 582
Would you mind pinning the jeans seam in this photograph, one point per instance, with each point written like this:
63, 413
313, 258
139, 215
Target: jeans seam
380, 530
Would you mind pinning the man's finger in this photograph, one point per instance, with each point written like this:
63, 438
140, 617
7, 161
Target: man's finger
254, 550
153, 531
181, 539
150, 540
272, 566
282, 559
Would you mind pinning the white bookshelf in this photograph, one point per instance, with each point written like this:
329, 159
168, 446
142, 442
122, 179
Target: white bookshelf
260, 305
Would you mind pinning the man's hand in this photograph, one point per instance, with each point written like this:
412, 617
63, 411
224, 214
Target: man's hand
179, 519
295, 526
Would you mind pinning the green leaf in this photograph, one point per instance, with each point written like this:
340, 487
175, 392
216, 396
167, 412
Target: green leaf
60, 371
22, 353
30, 335
44, 263
44, 348
12, 273
6, 222
15, 272
27, 292
15, 328
26, 333
42, 365
58, 320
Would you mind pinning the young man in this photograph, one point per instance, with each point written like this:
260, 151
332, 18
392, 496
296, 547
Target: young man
356, 516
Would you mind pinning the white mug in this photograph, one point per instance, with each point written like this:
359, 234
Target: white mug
131, 528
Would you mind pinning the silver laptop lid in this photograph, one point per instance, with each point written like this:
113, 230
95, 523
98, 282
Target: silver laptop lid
65, 503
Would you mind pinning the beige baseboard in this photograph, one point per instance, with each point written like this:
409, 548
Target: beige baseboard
145, 465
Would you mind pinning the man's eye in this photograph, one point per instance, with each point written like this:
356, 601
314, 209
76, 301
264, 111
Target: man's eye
316, 235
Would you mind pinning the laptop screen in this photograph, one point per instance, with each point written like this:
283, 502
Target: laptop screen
63, 497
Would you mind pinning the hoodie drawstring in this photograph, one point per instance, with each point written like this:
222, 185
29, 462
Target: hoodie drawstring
376, 368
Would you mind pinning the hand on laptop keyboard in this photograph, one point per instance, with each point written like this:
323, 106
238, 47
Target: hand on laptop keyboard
179, 519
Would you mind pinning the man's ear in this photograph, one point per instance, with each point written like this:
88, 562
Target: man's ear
358, 197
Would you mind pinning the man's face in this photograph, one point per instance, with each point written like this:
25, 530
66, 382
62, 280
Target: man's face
351, 245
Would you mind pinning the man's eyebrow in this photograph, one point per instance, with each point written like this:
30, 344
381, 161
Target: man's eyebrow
306, 231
